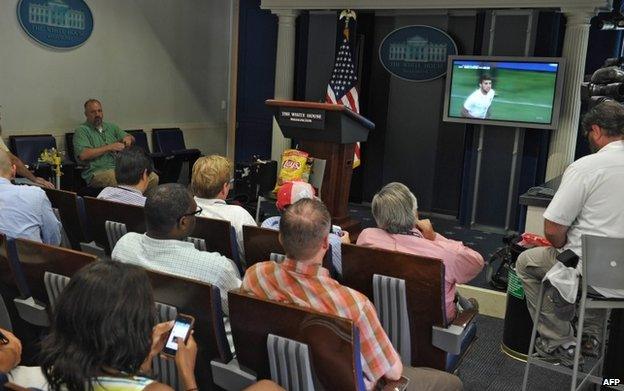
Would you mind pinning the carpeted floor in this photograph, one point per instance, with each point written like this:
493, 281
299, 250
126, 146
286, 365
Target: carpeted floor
486, 368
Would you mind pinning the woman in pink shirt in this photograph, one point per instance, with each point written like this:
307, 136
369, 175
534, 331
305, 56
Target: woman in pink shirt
395, 210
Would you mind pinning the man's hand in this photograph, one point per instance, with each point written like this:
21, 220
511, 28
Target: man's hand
11, 353
42, 182
344, 238
116, 146
128, 140
426, 228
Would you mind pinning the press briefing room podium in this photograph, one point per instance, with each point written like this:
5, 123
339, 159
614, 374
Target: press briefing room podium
326, 131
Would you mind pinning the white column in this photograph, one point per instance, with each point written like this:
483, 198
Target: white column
563, 139
284, 72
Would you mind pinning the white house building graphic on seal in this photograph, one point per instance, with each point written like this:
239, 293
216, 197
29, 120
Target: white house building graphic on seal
417, 49
56, 13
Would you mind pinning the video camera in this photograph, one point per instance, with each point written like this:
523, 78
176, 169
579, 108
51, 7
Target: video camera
607, 83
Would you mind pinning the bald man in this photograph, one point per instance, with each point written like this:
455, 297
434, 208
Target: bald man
25, 211
21, 168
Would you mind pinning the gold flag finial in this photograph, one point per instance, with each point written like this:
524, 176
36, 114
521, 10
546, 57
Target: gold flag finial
347, 15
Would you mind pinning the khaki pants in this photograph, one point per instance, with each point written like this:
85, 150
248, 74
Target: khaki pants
532, 266
106, 178
428, 379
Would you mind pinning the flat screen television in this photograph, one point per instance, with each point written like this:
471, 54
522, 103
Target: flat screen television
510, 91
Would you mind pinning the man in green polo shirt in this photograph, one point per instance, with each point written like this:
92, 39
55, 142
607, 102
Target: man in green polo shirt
96, 142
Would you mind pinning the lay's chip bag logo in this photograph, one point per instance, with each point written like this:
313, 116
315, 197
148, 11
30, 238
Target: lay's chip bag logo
292, 164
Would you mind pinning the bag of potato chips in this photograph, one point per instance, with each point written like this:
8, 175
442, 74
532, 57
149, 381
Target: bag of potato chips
295, 167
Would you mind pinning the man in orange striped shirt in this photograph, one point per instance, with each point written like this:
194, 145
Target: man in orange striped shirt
301, 280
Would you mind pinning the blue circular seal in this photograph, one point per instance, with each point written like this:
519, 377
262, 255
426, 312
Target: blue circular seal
416, 53
63, 24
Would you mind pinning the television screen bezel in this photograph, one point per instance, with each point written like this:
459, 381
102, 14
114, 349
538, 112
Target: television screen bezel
556, 111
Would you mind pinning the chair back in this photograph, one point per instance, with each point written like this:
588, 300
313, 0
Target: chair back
73, 221
275, 257
317, 174
164, 368
37, 258
99, 211
29, 148
200, 244
64, 239
603, 262
114, 232
69, 147
217, 235
424, 293
168, 140
262, 244
11, 276
54, 284
203, 302
391, 305
291, 366
140, 139
333, 341
259, 243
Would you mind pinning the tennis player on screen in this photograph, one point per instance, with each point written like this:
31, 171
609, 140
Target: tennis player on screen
477, 105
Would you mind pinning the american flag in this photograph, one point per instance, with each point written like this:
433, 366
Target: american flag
341, 88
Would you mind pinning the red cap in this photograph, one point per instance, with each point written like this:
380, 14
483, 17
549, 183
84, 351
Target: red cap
292, 191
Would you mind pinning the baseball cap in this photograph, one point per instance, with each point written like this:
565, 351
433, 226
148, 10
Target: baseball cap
292, 191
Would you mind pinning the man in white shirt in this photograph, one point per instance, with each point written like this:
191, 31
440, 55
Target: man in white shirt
170, 212
477, 105
588, 201
132, 170
210, 182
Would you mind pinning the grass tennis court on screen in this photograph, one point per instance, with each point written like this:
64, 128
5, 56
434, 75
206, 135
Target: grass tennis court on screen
525, 96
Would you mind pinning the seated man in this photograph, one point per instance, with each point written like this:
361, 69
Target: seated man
588, 201
21, 168
395, 210
25, 211
301, 280
96, 142
210, 182
291, 192
132, 170
170, 217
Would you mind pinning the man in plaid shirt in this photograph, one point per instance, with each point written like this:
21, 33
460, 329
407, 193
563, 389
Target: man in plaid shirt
301, 280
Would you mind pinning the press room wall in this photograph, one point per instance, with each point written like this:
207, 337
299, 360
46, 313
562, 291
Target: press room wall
152, 64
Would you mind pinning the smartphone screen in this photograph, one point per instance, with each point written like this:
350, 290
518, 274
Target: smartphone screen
181, 328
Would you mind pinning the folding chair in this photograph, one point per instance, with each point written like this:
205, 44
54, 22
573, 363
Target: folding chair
603, 266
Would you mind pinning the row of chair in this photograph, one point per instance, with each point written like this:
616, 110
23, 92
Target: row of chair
416, 324
33, 274
248, 315
170, 151
423, 289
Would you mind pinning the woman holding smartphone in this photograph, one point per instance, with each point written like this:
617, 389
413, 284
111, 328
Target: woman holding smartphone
104, 335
